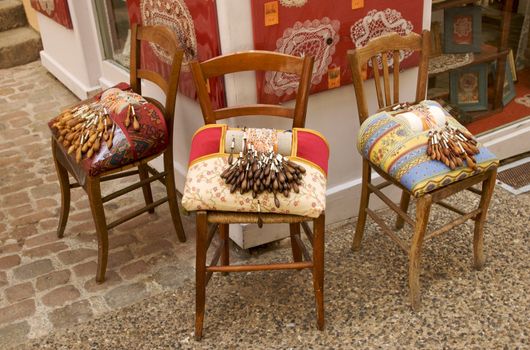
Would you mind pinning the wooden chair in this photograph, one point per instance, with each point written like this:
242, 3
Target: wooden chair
358, 58
166, 39
255, 61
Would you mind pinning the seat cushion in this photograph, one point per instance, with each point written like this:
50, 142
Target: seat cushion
397, 144
128, 145
210, 149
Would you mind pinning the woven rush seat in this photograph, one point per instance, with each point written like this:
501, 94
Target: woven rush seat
128, 145
206, 190
389, 142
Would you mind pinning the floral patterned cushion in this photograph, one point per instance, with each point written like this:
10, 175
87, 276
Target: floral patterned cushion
128, 145
206, 190
393, 143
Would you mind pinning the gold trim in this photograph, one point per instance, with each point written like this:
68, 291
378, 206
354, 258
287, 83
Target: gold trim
207, 126
311, 131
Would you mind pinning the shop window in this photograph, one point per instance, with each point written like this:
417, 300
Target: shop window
114, 30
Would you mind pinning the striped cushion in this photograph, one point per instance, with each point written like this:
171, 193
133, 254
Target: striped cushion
391, 144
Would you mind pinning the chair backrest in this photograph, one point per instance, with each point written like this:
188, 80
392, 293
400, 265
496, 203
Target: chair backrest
383, 48
166, 39
254, 61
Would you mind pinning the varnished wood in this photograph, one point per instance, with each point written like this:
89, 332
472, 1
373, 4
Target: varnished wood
200, 271
294, 230
166, 39
96, 206
256, 61
447, 227
404, 206
423, 209
450, 207
308, 232
213, 262
64, 183
136, 213
358, 58
478, 236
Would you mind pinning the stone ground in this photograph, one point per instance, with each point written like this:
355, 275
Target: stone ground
48, 298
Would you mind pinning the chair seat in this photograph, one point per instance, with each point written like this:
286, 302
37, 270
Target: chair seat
390, 142
206, 190
128, 145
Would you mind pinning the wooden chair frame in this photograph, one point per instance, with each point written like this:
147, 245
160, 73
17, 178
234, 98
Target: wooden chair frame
255, 61
358, 58
166, 39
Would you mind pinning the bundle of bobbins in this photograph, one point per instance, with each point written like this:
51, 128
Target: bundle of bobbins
452, 146
82, 129
257, 172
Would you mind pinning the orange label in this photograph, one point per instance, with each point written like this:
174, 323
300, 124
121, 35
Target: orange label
357, 4
271, 13
334, 77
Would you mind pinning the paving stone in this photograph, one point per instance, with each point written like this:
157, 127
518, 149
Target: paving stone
13, 334
116, 241
134, 269
126, 295
119, 258
85, 269
76, 255
33, 269
61, 296
20, 292
111, 279
17, 311
38, 240
15, 199
173, 276
3, 279
45, 250
9, 261
53, 279
77, 312
155, 247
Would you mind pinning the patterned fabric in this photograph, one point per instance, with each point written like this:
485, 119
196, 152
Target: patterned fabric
206, 190
388, 142
128, 144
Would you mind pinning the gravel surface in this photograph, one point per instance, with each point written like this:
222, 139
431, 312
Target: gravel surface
366, 297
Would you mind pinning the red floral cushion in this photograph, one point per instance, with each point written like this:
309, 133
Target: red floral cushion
128, 145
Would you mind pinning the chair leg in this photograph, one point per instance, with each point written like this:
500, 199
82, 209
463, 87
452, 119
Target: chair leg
148, 194
200, 272
295, 231
172, 195
64, 182
423, 209
318, 267
224, 230
488, 187
98, 214
404, 205
365, 197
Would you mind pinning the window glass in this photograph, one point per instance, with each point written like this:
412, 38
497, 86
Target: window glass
114, 29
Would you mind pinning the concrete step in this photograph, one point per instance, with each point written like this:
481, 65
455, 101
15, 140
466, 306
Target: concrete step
12, 15
19, 46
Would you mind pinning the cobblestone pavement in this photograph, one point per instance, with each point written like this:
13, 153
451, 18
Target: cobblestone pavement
46, 282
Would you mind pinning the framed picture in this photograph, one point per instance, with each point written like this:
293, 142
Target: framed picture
508, 92
462, 29
469, 87
511, 62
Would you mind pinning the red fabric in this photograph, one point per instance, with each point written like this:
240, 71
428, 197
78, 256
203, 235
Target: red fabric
512, 111
56, 9
266, 37
204, 14
206, 142
128, 144
313, 148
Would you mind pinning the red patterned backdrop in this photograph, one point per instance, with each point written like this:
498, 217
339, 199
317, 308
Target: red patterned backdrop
55, 9
195, 24
326, 30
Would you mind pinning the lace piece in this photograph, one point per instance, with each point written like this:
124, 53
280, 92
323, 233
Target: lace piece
48, 6
524, 100
317, 38
175, 15
378, 23
293, 3
445, 62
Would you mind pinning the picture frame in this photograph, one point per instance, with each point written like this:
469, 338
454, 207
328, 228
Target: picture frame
511, 62
469, 87
508, 92
462, 29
